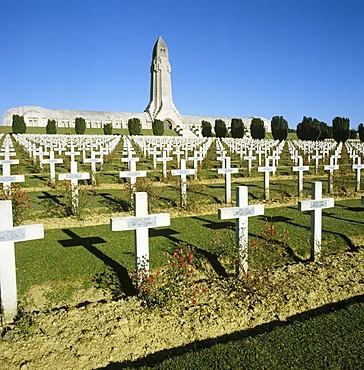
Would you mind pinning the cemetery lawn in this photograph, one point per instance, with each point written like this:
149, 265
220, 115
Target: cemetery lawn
77, 310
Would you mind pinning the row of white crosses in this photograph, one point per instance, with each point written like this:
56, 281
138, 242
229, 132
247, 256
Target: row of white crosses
7, 151
141, 222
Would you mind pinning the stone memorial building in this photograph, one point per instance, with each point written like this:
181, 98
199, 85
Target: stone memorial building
160, 106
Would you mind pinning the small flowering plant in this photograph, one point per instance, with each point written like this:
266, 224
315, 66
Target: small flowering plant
265, 252
175, 285
20, 202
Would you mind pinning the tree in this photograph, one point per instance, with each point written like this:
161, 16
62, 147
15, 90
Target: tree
220, 128
309, 129
353, 134
18, 125
80, 126
134, 126
326, 131
206, 129
51, 127
361, 132
257, 129
107, 128
279, 128
340, 129
158, 127
237, 128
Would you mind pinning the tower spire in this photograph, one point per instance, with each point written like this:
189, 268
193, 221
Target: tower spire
161, 104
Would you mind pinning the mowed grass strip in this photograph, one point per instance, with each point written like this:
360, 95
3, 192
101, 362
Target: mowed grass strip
328, 341
79, 253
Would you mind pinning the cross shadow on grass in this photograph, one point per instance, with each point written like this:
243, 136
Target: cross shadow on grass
156, 358
211, 257
88, 243
54, 198
117, 205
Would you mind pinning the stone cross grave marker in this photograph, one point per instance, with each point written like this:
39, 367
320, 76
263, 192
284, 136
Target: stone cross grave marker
227, 171
300, 168
7, 179
358, 167
74, 177
183, 172
52, 164
8, 236
316, 205
154, 153
195, 158
266, 169
241, 213
132, 174
250, 158
141, 222
164, 159
93, 160
331, 168
316, 157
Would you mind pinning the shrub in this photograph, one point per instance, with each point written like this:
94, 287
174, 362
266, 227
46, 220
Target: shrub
107, 129
279, 128
341, 129
18, 125
158, 127
237, 128
257, 129
361, 132
80, 125
51, 127
220, 128
206, 129
134, 126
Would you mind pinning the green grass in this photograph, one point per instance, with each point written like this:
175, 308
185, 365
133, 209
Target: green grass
81, 252
328, 341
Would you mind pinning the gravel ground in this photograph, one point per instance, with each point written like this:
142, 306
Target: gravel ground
94, 334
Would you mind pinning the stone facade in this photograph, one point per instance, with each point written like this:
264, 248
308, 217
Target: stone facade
160, 107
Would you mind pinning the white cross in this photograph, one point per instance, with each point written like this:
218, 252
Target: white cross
316, 157
358, 167
74, 177
52, 164
164, 159
250, 157
227, 171
9, 235
93, 160
300, 168
132, 174
266, 169
7, 179
331, 168
241, 213
140, 223
183, 172
154, 153
315, 206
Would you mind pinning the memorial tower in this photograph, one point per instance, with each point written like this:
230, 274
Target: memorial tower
161, 105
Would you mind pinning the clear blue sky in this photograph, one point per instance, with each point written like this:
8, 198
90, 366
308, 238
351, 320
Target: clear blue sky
233, 58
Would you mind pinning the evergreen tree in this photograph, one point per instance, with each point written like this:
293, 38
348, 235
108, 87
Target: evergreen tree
309, 129
51, 127
340, 129
361, 132
257, 129
353, 134
134, 126
107, 129
326, 131
206, 129
279, 128
80, 126
237, 128
158, 127
18, 124
220, 128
